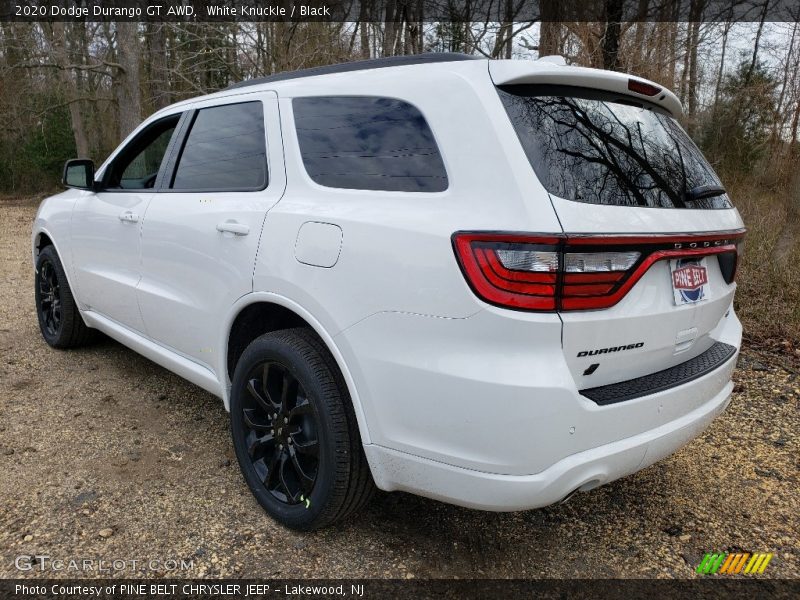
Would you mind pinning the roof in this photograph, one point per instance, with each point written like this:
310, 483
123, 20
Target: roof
360, 65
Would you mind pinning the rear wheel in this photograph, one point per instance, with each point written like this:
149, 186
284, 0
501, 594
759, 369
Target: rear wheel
60, 320
295, 433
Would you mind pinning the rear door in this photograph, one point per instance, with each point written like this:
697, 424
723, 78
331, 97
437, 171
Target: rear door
627, 182
201, 230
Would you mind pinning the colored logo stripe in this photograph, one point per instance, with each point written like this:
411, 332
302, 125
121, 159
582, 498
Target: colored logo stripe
710, 563
732, 564
758, 563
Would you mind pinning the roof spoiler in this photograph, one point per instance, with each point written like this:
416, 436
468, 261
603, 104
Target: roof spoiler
554, 70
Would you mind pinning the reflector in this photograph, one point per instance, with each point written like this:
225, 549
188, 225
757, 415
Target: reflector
597, 262
528, 260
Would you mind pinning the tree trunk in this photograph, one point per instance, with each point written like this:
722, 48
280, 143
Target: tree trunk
392, 28
639, 47
159, 79
726, 28
694, 38
127, 79
70, 92
611, 34
754, 60
363, 30
779, 120
550, 29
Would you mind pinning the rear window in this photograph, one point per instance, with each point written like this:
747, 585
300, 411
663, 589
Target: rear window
598, 148
368, 143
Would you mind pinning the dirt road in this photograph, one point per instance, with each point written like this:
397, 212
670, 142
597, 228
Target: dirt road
105, 455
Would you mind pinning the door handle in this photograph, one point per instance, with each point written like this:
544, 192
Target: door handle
129, 217
233, 227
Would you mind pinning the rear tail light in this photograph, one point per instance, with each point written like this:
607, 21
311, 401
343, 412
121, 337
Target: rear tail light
575, 272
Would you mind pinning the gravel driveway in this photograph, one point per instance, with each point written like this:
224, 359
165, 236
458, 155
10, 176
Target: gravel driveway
105, 455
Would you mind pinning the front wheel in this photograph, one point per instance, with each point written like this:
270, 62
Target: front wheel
60, 320
295, 433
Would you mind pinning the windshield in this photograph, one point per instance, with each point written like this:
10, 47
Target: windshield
597, 147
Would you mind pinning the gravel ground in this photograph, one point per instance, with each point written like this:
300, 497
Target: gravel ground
107, 456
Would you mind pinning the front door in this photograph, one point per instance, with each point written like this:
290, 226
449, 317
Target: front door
201, 230
106, 226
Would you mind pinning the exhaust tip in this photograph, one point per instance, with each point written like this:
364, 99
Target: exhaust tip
566, 498
584, 487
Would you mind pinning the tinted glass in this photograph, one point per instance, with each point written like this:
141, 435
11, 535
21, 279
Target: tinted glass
142, 170
368, 143
225, 150
592, 147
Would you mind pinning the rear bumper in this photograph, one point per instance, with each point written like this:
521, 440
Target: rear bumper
583, 471
484, 411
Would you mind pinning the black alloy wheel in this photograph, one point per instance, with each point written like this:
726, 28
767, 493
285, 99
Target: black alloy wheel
295, 432
60, 321
49, 298
282, 438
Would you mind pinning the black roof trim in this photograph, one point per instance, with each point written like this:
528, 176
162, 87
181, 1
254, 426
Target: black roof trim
360, 65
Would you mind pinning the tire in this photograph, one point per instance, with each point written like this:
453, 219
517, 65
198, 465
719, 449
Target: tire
60, 320
288, 395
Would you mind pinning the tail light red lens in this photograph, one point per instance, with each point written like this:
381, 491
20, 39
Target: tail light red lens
575, 272
641, 87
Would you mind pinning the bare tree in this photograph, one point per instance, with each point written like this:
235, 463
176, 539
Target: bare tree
127, 77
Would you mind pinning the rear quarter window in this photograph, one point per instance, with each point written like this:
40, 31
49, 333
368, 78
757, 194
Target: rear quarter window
602, 148
368, 143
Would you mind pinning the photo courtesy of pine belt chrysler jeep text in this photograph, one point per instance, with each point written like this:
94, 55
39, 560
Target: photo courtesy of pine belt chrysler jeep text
489, 282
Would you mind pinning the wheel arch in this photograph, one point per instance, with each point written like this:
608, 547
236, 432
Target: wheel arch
42, 238
40, 241
277, 312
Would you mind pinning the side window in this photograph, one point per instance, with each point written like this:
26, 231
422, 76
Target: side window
368, 143
137, 165
225, 150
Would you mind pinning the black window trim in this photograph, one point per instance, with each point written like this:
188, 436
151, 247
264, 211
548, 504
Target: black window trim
310, 179
171, 165
164, 162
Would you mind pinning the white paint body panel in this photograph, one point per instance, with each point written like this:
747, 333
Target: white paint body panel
105, 251
455, 399
191, 273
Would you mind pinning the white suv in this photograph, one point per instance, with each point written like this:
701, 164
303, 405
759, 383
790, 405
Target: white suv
493, 283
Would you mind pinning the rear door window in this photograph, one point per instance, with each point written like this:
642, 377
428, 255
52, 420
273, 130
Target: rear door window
225, 150
602, 148
368, 143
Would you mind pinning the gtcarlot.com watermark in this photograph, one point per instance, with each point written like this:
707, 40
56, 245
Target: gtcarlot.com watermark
46, 563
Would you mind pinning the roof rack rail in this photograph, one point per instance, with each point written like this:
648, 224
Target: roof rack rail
360, 65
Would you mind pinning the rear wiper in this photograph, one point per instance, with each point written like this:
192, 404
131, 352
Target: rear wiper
705, 191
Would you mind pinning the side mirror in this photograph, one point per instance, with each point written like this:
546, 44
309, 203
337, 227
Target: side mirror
79, 173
